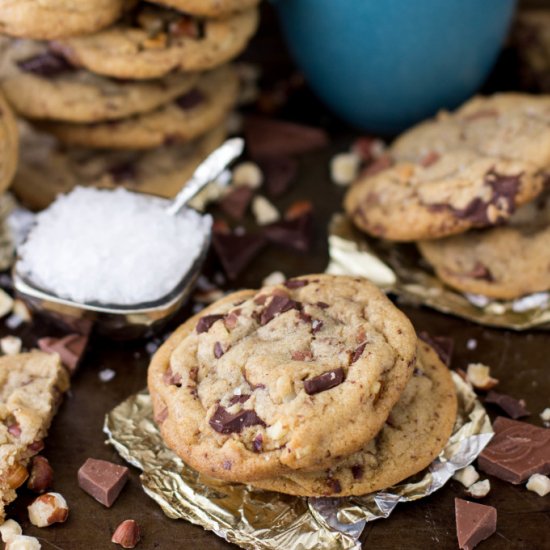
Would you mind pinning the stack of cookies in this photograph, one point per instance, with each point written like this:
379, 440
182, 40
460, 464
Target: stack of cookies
314, 387
471, 188
120, 93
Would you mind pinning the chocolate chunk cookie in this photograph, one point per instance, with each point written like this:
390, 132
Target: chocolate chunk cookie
415, 432
47, 168
504, 263
49, 19
209, 8
289, 377
152, 41
43, 85
31, 387
188, 116
456, 191
9, 144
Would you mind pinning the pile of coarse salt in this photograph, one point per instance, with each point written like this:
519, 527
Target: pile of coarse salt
111, 247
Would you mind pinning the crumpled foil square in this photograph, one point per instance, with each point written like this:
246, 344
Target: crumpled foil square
255, 519
398, 269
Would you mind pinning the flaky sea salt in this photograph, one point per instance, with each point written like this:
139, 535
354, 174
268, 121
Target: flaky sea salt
111, 247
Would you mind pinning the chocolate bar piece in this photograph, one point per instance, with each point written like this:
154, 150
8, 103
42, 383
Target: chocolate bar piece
514, 408
474, 523
70, 348
102, 480
516, 451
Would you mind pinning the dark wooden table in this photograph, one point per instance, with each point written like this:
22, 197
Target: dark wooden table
520, 360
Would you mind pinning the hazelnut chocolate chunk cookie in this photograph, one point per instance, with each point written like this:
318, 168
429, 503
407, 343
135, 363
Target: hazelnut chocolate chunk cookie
289, 377
9, 144
152, 41
49, 19
504, 262
43, 85
188, 116
415, 432
209, 8
454, 192
510, 126
47, 168
31, 387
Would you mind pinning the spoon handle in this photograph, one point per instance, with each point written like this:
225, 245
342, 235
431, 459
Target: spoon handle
208, 171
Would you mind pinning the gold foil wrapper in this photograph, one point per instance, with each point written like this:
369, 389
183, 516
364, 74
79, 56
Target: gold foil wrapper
255, 519
399, 269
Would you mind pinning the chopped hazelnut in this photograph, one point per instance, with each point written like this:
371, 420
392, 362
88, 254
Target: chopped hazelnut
545, 416
479, 489
264, 211
10, 529
48, 509
539, 484
127, 534
22, 542
41, 477
10, 345
479, 376
344, 168
249, 174
275, 278
467, 476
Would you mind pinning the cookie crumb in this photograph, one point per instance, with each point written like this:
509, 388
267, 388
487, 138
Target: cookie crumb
479, 375
539, 484
467, 476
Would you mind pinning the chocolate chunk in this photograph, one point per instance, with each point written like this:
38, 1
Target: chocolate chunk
304, 317
442, 345
358, 352
239, 399
322, 305
258, 443
296, 283
231, 319
278, 174
474, 523
123, 171
480, 272
294, 234
357, 471
227, 464
325, 381
277, 305
70, 348
237, 251
186, 26
102, 480
236, 202
516, 451
268, 138
334, 485
431, 158
46, 64
218, 350
512, 407
206, 322
171, 379
190, 100
302, 355
226, 423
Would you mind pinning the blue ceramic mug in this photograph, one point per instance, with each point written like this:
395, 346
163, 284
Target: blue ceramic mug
385, 64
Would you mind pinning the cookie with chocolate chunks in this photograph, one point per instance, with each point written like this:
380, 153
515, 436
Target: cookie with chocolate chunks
503, 262
415, 432
41, 84
286, 378
188, 116
152, 41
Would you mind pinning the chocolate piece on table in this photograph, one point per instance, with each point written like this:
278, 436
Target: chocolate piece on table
516, 451
474, 523
102, 480
70, 348
236, 202
514, 408
443, 345
294, 234
237, 251
268, 138
278, 174
325, 381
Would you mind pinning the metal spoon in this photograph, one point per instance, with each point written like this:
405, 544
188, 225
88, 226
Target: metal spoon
135, 320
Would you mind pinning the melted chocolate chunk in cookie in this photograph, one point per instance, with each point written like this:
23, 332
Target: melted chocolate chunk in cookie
226, 423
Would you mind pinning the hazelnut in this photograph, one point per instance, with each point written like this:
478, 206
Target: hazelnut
275, 278
249, 174
264, 211
41, 477
48, 509
479, 489
479, 376
10, 345
539, 484
16, 476
127, 534
10, 529
22, 542
344, 168
467, 476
